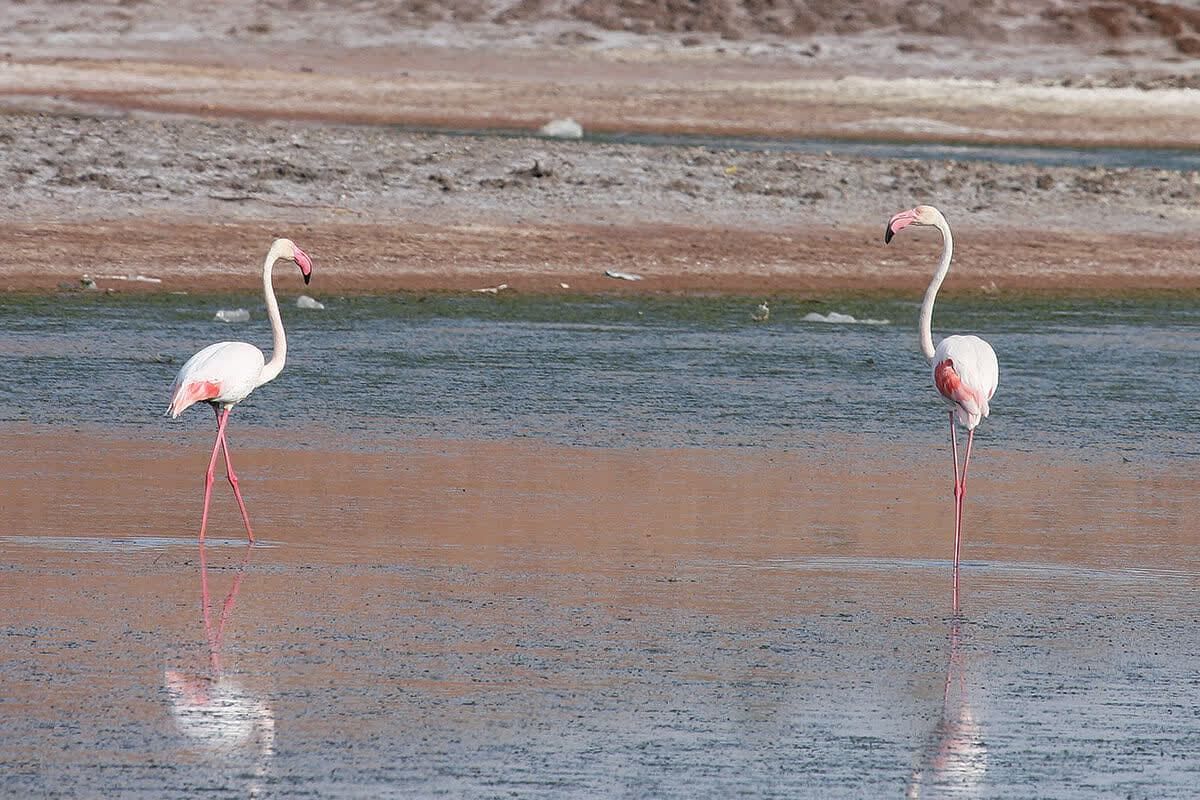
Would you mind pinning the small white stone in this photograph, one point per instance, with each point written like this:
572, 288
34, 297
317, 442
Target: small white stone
562, 129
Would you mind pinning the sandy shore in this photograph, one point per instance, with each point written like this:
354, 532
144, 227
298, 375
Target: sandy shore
430, 258
522, 92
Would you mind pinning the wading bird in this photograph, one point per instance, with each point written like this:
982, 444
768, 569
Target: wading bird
224, 374
965, 371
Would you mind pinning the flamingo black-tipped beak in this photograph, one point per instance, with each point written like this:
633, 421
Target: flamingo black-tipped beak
897, 223
305, 264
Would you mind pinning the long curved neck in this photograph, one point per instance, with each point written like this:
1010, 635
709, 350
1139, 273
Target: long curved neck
931, 292
278, 340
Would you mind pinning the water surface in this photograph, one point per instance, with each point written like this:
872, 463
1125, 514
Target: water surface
1091, 377
1170, 158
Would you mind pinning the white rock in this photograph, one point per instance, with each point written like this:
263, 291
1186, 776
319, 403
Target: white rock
842, 319
131, 277
623, 276
562, 129
232, 315
304, 301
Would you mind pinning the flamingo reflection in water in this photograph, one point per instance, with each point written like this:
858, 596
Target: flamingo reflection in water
215, 711
954, 761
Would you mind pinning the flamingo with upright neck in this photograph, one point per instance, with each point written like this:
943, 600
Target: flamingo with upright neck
965, 371
224, 374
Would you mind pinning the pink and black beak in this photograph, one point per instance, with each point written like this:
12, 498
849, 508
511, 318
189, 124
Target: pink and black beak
305, 265
898, 223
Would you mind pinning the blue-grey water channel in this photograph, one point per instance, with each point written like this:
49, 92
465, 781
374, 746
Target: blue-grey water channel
1094, 376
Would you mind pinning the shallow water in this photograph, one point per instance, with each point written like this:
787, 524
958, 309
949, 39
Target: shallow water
677, 640
1170, 158
741, 587
1092, 377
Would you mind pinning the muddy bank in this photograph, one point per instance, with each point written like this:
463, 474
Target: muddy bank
367, 259
195, 203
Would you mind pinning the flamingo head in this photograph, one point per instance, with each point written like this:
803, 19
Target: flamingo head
921, 215
289, 251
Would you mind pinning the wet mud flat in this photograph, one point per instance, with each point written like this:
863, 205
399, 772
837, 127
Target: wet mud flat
493, 618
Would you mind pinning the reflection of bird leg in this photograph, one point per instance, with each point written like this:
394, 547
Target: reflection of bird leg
231, 598
205, 606
215, 636
212, 709
955, 758
954, 665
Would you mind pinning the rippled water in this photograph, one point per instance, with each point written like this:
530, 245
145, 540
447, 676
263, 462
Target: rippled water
1101, 375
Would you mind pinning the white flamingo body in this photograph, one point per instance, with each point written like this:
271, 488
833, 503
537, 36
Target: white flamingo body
224, 374
966, 373
965, 370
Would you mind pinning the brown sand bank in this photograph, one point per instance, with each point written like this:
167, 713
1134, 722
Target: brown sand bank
196, 203
366, 258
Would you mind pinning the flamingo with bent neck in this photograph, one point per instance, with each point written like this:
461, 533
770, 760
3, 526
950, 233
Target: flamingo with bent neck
965, 371
224, 374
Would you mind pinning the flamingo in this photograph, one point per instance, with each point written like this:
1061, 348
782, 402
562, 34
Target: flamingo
965, 371
224, 374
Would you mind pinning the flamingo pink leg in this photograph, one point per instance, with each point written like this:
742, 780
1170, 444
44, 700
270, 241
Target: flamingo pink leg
960, 493
212, 465
957, 499
233, 479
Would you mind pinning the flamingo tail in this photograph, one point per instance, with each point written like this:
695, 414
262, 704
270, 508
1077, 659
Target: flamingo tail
190, 393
